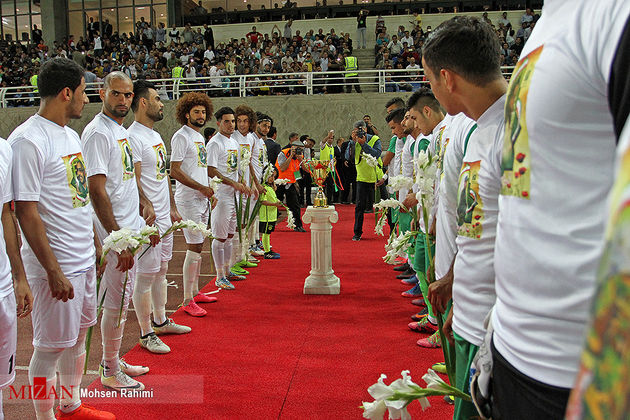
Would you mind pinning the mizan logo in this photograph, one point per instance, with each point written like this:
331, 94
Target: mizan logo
39, 391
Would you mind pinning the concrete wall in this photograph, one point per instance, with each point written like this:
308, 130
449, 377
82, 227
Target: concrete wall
313, 115
224, 33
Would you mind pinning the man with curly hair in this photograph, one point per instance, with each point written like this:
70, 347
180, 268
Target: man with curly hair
189, 169
248, 148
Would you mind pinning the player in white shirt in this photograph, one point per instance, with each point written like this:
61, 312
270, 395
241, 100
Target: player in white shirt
461, 61
52, 204
259, 163
189, 167
150, 291
15, 302
223, 163
427, 114
117, 200
247, 142
565, 108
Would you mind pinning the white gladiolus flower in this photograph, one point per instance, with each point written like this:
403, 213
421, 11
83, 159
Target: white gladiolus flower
148, 231
400, 182
380, 225
422, 159
214, 182
290, 220
432, 379
389, 203
281, 181
374, 410
369, 159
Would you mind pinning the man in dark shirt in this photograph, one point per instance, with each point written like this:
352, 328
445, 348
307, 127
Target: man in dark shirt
273, 148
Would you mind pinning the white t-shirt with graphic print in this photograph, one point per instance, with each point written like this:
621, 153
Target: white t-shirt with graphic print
259, 156
149, 149
188, 147
108, 152
6, 194
477, 212
453, 144
50, 169
558, 163
223, 155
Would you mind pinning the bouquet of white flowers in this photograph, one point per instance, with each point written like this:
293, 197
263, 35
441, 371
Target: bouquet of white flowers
400, 182
243, 166
382, 207
290, 219
281, 181
369, 159
397, 245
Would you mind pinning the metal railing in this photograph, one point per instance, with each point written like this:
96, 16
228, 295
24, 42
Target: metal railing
308, 83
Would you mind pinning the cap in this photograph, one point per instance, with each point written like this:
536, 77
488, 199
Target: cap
297, 143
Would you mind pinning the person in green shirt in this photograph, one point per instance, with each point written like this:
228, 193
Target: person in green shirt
268, 214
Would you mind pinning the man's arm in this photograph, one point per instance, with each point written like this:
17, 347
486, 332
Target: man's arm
103, 209
212, 172
146, 207
23, 295
283, 161
175, 216
181, 176
254, 178
35, 233
374, 150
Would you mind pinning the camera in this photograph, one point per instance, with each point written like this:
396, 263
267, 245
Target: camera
360, 132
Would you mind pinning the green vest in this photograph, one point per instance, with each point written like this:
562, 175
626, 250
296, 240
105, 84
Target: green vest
365, 173
327, 153
177, 72
33, 81
351, 66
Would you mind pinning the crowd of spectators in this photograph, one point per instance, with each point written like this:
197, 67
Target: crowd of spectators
402, 48
156, 52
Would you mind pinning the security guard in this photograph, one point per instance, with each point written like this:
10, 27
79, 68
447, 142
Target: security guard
351, 65
366, 175
177, 73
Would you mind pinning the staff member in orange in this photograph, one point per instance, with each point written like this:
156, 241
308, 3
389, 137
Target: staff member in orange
288, 163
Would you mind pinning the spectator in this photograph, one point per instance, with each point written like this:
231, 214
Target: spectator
362, 28
253, 36
36, 35
528, 16
287, 29
174, 34
503, 20
395, 47
208, 36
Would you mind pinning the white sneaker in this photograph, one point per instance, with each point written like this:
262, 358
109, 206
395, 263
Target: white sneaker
256, 252
132, 370
120, 380
171, 328
154, 344
252, 259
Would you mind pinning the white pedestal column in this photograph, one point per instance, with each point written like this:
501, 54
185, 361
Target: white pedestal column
322, 280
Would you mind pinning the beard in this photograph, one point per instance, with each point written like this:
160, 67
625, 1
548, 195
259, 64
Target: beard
196, 123
156, 116
117, 112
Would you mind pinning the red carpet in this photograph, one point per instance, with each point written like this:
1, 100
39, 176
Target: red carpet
266, 351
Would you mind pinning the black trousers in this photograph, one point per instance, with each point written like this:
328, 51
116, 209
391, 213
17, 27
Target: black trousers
365, 200
305, 184
519, 397
293, 204
350, 81
349, 185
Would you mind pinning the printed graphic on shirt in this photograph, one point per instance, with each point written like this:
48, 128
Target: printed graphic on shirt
439, 148
232, 160
515, 162
127, 159
262, 157
469, 204
202, 156
160, 159
604, 370
77, 179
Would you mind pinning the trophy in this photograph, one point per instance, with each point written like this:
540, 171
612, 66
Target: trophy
319, 170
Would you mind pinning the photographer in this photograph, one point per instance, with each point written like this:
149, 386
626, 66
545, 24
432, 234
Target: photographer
362, 142
289, 162
306, 182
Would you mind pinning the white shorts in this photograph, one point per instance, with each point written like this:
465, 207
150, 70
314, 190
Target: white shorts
8, 339
196, 213
223, 220
113, 282
152, 260
56, 323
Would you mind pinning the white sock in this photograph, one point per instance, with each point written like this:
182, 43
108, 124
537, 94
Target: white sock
1, 412
44, 365
71, 366
218, 256
142, 300
227, 255
112, 337
159, 293
256, 229
197, 276
190, 273
235, 250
